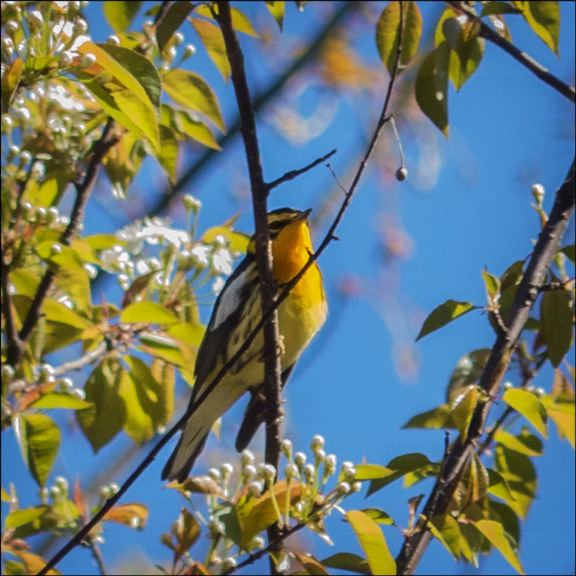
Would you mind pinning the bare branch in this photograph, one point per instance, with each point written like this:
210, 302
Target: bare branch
295, 173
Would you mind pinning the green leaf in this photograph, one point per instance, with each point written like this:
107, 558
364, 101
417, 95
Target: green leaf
475, 480
372, 542
401, 465
371, 472
544, 19
444, 314
432, 87
463, 403
440, 417
17, 518
277, 9
556, 317
173, 18
128, 91
120, 13
105, 418
60, 400
520, 480
494, 531
240, 21
167, 155
563, 414
503, 514
195, 129
529, 406
148, 312
525, 443
378, 515
190, 90
492, 285
39, 439
498, 8
213, 41
445, 528
10, 81
387, 33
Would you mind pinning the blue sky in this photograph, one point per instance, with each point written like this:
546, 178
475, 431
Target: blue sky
468, 210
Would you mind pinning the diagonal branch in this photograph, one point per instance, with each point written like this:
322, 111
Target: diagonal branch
528, 290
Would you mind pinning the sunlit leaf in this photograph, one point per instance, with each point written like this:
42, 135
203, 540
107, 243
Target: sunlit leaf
134, 515
277, 9
372, 542
445, 528
494, 531
498, 8
39, 439
544, 18
444, 314
401, 465
120, 13
529, 406
463, 403
148, 312
167, 155
191, 91
563, 414
387, 33
525, 443
212, 39
440, 417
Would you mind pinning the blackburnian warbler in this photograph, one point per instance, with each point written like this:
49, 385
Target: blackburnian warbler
236, 313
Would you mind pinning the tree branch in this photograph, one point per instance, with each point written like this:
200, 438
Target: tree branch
263, 246
83, 191
295, 173
527, 61
528, 290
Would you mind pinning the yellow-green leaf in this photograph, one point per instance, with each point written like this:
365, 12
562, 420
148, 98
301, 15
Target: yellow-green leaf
105, 418
134, 515
277, 9
120, 13
556, 316
445, 528
195, 129
372, 542
444, 314
148, 312
191, 91
432, 87
387, 33
440, 417
39, 439
213, 41
401, 465
494, 531
167, 155
563, 414
543, 16
525, 442
463, 404
529, 406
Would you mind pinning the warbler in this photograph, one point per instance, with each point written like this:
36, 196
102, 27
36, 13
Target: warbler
236, 313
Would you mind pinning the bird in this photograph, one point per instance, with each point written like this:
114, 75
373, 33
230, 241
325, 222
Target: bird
236, 313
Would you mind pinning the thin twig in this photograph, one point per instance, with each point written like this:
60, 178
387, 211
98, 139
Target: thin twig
295, 173
83, 191
261, 553
97, 554
88, 358
524, 59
